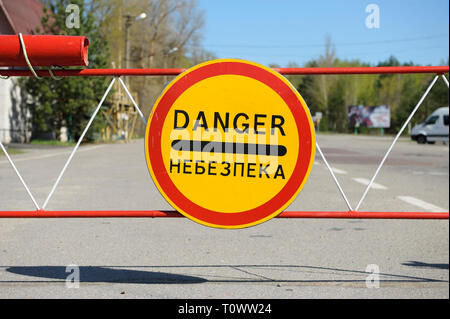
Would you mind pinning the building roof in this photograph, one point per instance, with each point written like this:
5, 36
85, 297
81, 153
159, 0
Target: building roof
22, 16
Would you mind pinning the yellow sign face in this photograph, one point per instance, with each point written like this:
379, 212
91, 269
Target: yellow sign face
230, 143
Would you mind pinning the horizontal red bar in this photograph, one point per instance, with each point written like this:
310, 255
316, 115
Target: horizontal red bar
159, 214
285, 71
365, 70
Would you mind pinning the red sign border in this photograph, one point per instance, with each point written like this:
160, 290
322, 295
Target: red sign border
305, 131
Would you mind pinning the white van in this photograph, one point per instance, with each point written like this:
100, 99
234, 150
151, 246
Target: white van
435, 128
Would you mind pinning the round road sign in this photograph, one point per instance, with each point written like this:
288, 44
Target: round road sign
230, 143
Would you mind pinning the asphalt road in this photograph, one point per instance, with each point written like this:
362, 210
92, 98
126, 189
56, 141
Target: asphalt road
177, 258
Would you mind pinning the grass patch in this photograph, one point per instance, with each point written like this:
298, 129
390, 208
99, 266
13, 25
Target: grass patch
52, 143
11, 151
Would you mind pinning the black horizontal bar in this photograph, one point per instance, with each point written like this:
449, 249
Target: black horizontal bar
227, 147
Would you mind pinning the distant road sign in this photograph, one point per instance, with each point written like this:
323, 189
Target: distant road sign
230, 143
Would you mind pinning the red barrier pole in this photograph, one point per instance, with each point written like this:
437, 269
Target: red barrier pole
289, 214
284, 71
365, 70
44, 50
174, 214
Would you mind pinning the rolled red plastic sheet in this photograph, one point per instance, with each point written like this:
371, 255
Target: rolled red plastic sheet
44, 50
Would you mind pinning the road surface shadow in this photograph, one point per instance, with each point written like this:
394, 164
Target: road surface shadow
245, 274
420, 264
104, 274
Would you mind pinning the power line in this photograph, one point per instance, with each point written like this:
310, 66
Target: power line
338, 54
281, 46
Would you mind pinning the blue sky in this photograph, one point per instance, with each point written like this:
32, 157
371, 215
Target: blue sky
283, 31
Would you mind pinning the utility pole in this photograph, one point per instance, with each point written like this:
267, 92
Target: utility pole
166, 57
128, 22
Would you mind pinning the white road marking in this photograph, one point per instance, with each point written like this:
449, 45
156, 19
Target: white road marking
84, 149
338, 171
433, 173
420, 203
438, 173
366, 182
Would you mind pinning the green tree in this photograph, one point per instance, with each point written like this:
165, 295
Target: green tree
400, 91
338, 109
69, 101
413, 88
169, 37
410, 93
